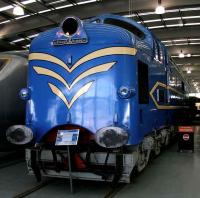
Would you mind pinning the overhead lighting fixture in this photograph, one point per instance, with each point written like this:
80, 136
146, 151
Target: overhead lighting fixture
7, 21
181, 55
33, 35
156, 27
11, 6
159, 9
188, 55
18, 40
19, 11
189, 71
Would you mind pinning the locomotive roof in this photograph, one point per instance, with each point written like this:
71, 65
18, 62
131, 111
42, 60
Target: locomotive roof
149, 37
147, 34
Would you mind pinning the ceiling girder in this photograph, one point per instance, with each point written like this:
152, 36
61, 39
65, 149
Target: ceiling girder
88, 10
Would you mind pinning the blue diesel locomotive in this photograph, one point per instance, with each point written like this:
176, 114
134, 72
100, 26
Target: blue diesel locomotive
106, 87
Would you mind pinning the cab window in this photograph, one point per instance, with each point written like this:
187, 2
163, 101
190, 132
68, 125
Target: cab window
143, 83
126, 26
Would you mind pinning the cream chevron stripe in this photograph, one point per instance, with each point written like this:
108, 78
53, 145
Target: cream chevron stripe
94, 70
96, 54
47, 57
60, 94
81, 91
105, 52
48, 72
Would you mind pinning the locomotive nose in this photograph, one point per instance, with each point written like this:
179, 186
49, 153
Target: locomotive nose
70, 25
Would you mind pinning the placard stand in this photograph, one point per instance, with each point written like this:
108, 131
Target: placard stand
70, 170
68, 138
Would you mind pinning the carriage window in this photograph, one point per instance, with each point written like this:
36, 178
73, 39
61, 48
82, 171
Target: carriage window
3, 62
143, 83
126, 26
160, 95
166, 58
161, 54
159, 51
183, 86
156, 50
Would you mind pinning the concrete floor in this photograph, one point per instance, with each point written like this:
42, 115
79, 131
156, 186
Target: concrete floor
171, 175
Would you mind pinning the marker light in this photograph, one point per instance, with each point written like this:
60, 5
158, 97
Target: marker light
125, 92
24, 94
17, 10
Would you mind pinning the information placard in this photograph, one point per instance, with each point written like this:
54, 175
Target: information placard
186, 129
67, 137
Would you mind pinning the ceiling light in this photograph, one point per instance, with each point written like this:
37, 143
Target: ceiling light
156, 27
17, 10
188, 55
7, 21
86, 2
160, 9
189, 71
181, 55
28, 2
22, 17
172, 25
6, 8
43, 11
191, 24
18, 40
33, 35
194, 39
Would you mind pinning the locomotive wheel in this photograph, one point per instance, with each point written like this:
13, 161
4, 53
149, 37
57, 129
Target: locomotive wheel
143, 159
157, 148
167, 139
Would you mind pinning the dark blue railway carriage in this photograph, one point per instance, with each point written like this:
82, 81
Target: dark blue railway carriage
106, 81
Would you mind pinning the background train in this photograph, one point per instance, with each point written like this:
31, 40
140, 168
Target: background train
107, 87
13, 76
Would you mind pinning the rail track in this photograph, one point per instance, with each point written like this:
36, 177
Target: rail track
33, 189
114, 190
110, 194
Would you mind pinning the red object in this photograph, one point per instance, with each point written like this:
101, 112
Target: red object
186, 129
79, 163
186, 137
84, 137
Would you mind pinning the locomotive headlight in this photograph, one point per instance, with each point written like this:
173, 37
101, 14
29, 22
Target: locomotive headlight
19, 134
70, 26
126, 92
24, 94
111, 137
